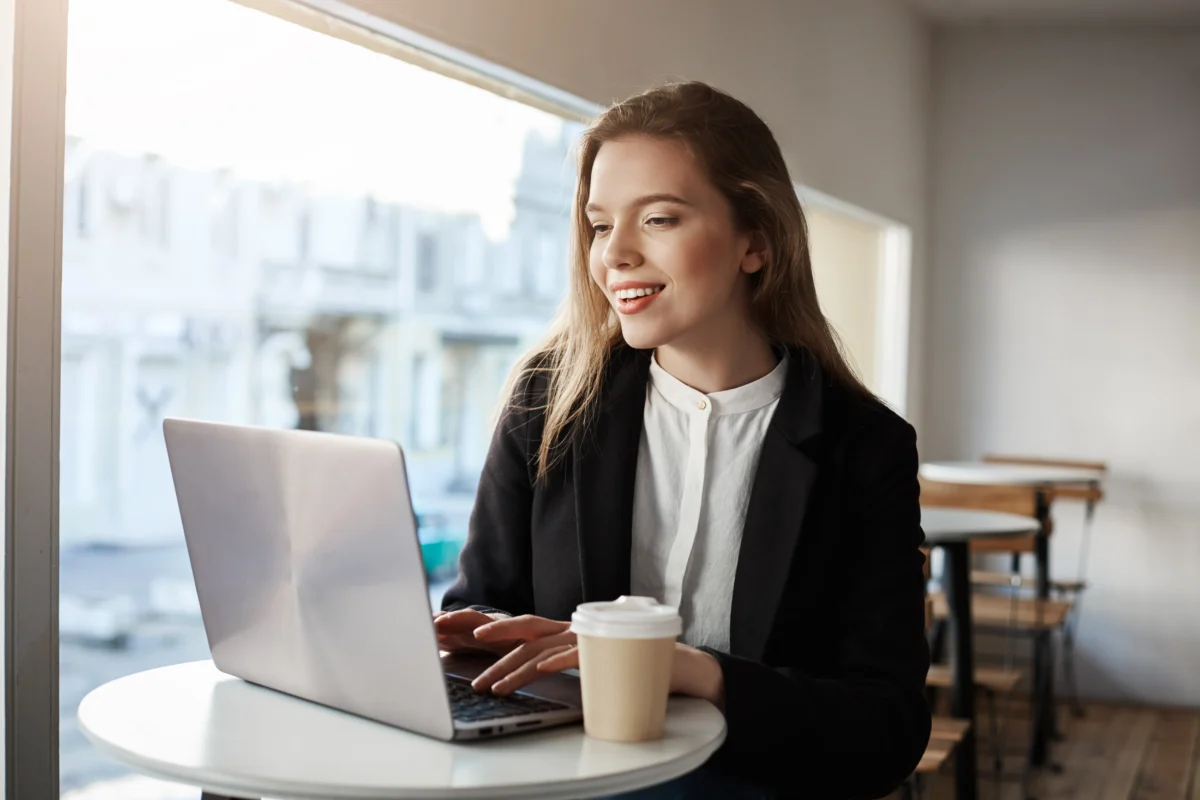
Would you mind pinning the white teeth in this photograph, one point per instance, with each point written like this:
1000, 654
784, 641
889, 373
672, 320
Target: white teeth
631, 294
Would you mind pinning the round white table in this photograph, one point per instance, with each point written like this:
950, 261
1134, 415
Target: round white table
983, 472
952, 529
1042, 478
945, 525
192, 724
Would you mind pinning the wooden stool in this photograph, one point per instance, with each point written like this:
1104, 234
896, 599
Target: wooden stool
1070, 589
944, 737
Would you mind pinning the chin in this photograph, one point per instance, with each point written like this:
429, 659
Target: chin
643, 337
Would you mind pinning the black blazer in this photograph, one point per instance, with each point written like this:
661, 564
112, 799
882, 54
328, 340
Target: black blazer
824, 682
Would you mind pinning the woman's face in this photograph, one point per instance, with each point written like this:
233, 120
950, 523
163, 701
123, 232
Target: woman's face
666, 252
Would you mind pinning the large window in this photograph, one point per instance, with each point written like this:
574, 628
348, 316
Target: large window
266, 225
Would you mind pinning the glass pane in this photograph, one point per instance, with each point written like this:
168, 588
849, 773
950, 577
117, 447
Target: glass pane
266, 225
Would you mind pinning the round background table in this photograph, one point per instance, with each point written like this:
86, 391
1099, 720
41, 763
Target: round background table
952, 529
1042, 478
192, 724
982, 472
943, 525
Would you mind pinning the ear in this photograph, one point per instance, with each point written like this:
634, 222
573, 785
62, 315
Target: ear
757, 253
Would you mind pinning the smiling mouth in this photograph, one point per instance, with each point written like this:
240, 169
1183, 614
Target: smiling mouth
633, 294
631, 301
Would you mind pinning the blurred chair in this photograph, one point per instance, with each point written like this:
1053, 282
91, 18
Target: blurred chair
1071, 589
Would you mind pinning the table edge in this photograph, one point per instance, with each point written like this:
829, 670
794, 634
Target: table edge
938, 466
235, 786
1019, 525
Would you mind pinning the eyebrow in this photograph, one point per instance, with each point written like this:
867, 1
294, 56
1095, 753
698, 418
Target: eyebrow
645, 200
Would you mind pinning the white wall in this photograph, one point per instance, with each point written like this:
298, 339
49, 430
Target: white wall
1065, 311
843, 85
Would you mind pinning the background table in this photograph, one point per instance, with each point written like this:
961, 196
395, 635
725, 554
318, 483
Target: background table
952, 530
1043, 478
983, 472
193, 724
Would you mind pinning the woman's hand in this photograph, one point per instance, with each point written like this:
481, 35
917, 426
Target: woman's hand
536, 639
549, 646
456, 632
694, 672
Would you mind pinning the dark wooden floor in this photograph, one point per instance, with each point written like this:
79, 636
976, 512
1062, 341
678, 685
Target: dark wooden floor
1112, 753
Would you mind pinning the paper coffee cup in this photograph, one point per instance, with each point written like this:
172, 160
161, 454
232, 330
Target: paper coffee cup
626, 652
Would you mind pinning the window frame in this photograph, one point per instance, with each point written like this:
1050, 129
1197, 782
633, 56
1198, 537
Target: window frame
37, 118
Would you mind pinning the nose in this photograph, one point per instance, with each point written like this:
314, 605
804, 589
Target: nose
621, 250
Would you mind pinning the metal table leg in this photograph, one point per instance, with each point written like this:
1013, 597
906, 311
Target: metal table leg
962, 700
1043, 659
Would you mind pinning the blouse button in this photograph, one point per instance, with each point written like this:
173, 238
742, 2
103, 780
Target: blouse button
701, 405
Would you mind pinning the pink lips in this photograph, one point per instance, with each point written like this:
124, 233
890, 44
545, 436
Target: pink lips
634, 305
637, 305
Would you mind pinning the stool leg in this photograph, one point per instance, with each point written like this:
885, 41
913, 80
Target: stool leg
1077, 709
994, 732
1053, 731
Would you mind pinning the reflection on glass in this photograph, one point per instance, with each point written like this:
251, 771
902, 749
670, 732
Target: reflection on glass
269, 226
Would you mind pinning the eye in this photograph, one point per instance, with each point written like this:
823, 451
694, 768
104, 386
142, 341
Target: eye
600, 228
661, 222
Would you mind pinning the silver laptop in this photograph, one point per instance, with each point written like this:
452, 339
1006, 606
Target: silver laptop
308, 569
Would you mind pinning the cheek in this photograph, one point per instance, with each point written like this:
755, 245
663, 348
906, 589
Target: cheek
596, 267
702, 265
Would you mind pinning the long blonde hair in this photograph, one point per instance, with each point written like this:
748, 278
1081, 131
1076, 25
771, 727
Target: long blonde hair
744, 162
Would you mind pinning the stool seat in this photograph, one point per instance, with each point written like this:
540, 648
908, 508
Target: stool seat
996, 611
993, 679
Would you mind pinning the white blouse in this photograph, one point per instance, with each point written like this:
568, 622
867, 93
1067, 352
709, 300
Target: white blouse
695, 468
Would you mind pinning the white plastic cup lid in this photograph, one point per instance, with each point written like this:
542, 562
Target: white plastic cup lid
627, 618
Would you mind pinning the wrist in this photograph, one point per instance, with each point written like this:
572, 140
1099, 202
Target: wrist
714, 683
705, 678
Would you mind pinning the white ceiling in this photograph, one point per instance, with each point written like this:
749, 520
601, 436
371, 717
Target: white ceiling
1060, 11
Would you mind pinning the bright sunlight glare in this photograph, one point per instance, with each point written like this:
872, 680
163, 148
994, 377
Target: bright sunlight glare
209, 84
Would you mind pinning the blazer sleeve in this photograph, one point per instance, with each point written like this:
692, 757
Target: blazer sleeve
495, 565
861, 733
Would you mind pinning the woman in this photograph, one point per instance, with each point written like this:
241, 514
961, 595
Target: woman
690, 431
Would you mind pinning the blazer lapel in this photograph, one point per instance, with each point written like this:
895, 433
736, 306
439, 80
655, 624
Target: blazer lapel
779, 496
605, 465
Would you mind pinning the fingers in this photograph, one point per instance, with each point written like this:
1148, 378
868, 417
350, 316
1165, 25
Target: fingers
461, 644
525, 627
464, 621
520, 656
529, 671
564, 658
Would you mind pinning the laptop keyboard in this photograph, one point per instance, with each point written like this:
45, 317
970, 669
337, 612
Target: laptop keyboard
467, 705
